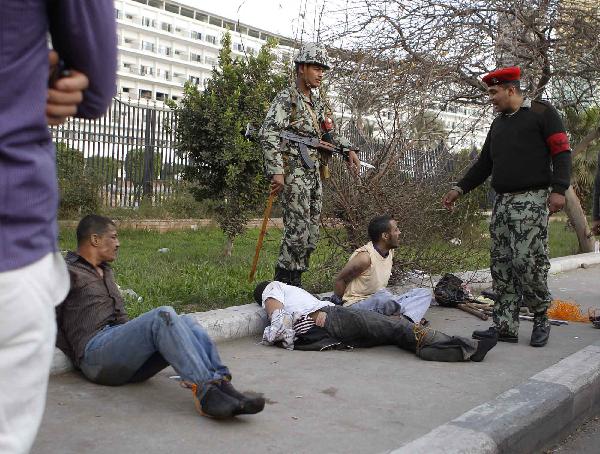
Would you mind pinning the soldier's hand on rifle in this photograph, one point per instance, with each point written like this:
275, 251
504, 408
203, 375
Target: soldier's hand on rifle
450, 198
277, 183
353, 162
65, 92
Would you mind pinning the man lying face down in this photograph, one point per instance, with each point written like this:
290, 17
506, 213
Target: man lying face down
301, 321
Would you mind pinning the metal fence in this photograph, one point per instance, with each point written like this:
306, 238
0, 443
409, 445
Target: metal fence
130, 150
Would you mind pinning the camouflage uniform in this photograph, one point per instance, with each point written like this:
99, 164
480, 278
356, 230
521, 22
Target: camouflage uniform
301, 199
519, 257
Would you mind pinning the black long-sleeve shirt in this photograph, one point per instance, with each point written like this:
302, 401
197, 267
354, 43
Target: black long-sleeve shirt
524, 151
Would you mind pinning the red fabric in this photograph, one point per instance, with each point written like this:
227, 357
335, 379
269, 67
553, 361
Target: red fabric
558, 142
502, 75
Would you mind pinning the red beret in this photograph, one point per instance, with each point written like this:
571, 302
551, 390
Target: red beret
502, 75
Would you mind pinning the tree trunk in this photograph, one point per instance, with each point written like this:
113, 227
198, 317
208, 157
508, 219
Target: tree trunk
579, 221
228, 247
573, 206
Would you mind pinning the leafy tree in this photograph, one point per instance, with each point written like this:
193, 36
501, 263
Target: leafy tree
227, 169
103, 167
134, 166
79, 190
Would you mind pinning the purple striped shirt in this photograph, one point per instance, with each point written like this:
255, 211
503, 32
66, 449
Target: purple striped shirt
83, 33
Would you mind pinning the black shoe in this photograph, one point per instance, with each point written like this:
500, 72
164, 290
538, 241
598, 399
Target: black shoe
483, 346
249, 404
493, 333
215, 403
296, 278
540, 334
283, 275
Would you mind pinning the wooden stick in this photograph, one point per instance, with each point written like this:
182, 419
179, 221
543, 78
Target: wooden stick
470, 310
261, 236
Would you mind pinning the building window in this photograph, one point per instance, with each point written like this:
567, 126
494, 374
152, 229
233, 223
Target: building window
174, 98
146, 70
118, 14
146, 94
215, 21
239, 47
156, 4
229, 25
187, 12
172, 8
147, 22
195, 57
201, 17
196, 35
254, 33
195, 80
148, 46
164, 50
161, 96
125, 89
211, 39
210, 60
167, 27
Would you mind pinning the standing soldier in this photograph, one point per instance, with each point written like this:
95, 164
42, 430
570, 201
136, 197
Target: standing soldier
299, 109
528, 155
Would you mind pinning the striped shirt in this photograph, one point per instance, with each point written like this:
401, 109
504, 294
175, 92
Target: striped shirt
92, 303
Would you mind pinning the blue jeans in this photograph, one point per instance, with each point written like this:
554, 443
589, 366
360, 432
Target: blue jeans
143, 346
412, 304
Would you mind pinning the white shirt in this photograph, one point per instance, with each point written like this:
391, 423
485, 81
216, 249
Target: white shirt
294, 299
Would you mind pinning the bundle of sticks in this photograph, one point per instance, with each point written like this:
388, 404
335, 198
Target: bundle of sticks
484, 311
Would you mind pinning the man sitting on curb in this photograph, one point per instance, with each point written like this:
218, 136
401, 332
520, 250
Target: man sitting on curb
297, 317
362, 282
96, 334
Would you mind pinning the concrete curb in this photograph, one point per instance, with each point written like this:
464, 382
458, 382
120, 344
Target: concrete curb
524, 419
248, 320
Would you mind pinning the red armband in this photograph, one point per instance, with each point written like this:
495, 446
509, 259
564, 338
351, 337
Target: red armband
558, 142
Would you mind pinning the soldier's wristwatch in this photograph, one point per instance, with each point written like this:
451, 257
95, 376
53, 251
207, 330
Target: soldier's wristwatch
457, 189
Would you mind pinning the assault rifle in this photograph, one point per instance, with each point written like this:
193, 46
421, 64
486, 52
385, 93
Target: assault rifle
305, 142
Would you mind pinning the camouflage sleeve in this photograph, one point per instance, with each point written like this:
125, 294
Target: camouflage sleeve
277, 119
342, 141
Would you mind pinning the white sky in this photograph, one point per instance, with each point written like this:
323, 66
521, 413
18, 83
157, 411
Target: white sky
290, 18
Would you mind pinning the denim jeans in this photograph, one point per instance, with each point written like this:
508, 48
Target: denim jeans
143, 346
359, 328
412, 304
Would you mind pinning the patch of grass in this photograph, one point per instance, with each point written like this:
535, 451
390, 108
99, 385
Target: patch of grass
195, 276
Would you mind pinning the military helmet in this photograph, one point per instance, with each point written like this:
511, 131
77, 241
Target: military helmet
313, 53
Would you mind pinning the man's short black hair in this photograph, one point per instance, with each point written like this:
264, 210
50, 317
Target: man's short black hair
378, 226
92, 224
258, 291
512, 83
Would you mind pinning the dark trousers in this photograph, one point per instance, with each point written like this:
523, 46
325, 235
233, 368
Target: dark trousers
368, 329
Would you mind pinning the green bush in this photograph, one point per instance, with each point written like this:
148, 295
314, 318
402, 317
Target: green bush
79, 189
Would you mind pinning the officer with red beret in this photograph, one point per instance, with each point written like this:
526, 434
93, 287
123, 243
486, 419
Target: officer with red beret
528, 156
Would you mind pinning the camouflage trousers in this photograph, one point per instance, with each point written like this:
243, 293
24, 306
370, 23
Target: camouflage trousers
301, 202
519, 257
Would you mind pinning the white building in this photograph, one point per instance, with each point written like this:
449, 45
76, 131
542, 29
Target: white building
163, 44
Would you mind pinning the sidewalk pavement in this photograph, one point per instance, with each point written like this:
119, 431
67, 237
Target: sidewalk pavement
371, 400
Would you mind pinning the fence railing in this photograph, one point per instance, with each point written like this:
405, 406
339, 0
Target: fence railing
131, 150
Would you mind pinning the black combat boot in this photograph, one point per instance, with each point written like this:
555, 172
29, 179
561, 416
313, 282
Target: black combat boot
541, 330
493, 333
296, 279
283, 275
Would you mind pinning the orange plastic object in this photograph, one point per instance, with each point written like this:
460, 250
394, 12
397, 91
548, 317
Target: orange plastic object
567, 310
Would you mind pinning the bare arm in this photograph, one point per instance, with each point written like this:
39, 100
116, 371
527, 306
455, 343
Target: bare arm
354, 268
271, 305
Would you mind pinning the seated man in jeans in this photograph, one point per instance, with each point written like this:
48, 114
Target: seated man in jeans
296, 316
95, 332
362, 283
